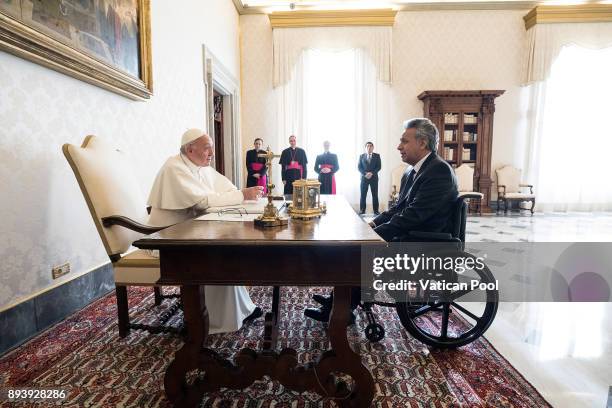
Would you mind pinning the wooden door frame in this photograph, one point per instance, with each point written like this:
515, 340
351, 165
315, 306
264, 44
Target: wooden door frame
218, 78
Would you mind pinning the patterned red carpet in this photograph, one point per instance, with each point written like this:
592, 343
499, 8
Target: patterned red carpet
85, 356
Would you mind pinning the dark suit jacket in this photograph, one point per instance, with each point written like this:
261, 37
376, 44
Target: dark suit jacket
373, 167
427, 206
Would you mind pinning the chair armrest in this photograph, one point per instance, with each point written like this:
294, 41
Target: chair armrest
469, 195
527, 185
423, 236
130, 224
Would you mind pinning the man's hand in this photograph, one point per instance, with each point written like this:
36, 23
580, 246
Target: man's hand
284, 182
257, 175
325, 170
371, 224
252, 193
368, 175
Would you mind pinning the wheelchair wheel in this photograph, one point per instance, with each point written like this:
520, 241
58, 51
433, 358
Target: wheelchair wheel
430, 322
374, 332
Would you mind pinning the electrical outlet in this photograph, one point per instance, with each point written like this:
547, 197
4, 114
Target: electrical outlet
60, 270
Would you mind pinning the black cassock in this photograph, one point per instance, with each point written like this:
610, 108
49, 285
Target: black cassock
293, 164
328, 181
252, 163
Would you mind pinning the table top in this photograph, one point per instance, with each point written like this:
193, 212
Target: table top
339, 226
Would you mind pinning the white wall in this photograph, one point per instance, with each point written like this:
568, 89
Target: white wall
432, 50
45, 221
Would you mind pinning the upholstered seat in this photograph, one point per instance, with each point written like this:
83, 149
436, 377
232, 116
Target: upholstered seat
118, 209
509, 188
137, 268
465, 181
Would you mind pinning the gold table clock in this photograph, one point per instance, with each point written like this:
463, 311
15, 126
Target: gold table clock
306, 200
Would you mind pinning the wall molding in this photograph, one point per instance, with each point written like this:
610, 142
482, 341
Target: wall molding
581, 13
332, 18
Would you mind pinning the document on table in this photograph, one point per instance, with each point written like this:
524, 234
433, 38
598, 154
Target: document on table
237, 217
246, 211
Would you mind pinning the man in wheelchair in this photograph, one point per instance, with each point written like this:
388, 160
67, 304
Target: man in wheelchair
426, 202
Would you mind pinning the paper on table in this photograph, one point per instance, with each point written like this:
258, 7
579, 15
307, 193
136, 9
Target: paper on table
228, 217
250, 207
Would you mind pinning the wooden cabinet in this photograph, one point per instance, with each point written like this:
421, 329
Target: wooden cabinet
465, 122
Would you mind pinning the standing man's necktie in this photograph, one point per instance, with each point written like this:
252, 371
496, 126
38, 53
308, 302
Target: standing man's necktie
369, 157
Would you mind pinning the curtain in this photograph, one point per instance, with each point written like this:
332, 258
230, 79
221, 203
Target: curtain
545, 42
289, 43
334, 95
569, 136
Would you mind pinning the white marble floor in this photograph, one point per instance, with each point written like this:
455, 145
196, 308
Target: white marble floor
563, 349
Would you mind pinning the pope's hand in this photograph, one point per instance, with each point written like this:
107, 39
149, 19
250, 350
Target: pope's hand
252, 193
257, 175
325, 170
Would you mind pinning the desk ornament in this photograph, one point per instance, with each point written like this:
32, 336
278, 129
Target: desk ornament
270, 217
306, 200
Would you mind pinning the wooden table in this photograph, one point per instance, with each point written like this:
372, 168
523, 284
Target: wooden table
322, 252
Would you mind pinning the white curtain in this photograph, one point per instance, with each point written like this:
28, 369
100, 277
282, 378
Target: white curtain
289, 43
570, 139
334, 95
545, 42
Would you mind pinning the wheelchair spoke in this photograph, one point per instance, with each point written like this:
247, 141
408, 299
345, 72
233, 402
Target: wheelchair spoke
424, 309
467, 312
456, 295
445, 313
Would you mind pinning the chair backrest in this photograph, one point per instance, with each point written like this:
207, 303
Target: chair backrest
510, 177
396, 175
109, 188
465, 177
458, 219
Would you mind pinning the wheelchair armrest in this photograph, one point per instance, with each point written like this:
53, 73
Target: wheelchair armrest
423, 236
469, 195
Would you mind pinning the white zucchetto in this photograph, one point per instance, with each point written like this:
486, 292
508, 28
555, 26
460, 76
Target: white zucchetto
191, 135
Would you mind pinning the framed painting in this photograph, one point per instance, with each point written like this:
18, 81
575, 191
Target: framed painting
104, 42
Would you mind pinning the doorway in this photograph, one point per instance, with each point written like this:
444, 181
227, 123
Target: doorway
218, 125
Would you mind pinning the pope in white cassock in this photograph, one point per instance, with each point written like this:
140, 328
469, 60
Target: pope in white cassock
185, 187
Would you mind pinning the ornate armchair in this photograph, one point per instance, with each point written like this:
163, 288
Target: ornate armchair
396, 182
118, 209
509, 188
465, 179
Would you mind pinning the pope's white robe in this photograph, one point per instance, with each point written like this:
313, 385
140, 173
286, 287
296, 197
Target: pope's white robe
181, 191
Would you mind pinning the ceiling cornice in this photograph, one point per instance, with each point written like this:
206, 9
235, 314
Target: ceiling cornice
332, 18
582, 13
416, 6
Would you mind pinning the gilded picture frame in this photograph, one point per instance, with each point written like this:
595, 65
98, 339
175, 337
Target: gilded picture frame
104, 42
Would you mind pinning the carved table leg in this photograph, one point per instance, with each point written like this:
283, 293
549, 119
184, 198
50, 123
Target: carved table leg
251, 365
342, 358
188, 357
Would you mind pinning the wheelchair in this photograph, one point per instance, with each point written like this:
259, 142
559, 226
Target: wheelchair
428, 317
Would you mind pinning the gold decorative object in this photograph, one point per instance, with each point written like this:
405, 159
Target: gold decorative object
306, 200
332, 18
270, 217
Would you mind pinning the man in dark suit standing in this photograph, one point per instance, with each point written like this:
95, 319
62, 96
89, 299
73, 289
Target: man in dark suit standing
369, 166
426, 198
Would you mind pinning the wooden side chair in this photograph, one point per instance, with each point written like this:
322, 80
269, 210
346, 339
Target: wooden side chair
465, 180
509, 187
118, 209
